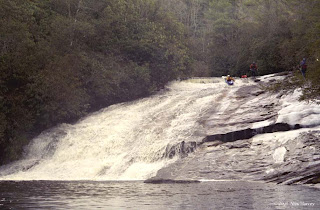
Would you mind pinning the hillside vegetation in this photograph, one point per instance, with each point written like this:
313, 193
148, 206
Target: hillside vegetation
60, 59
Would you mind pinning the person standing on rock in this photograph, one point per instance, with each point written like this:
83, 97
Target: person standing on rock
303, 67
254, 69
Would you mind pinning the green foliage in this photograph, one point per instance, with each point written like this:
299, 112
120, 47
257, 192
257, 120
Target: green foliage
223, 36
275, 34
61, 59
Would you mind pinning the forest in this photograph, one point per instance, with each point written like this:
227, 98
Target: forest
62, 59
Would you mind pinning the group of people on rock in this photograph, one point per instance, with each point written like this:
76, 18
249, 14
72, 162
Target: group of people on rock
254, 70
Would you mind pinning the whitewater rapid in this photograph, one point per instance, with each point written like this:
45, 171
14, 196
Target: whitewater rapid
126, 141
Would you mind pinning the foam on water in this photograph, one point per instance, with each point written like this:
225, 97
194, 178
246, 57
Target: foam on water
126, 141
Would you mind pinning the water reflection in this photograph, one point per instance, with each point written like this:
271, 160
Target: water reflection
138, 195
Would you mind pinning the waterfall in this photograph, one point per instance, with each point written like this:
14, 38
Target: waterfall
127, 141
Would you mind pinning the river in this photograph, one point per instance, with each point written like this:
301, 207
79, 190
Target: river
139, 195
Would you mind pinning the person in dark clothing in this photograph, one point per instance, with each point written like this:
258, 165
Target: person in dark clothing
254, 69
303, 67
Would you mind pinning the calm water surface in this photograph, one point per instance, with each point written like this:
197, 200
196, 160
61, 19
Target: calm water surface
138, 195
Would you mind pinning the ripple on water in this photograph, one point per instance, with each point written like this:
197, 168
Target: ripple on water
139, 195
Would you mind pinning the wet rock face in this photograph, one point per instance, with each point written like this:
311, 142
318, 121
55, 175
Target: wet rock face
302, 161
250, 105
249, 133
244, 142
293, 161
181, 149
231, 136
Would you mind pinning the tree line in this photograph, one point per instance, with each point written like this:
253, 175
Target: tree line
61, 59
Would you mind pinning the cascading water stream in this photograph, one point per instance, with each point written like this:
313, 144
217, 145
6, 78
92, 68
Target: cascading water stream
126, 141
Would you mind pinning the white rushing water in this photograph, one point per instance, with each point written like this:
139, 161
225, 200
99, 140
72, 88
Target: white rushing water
126, 141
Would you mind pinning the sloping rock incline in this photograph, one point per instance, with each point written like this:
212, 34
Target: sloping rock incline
255, 135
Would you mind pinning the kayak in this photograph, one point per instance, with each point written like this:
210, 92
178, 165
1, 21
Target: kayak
229, 82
